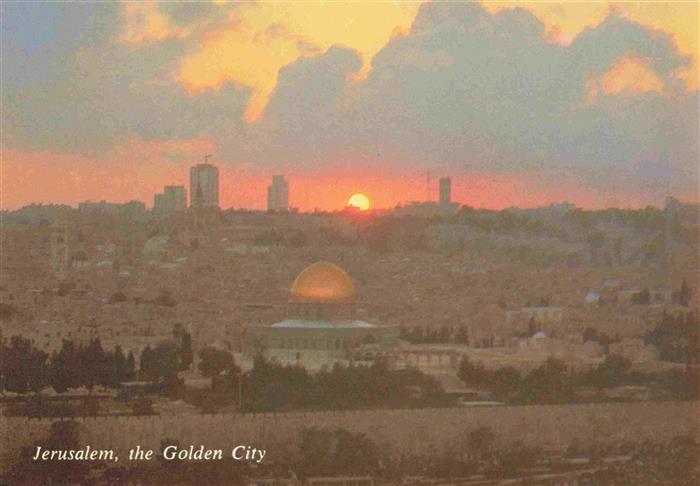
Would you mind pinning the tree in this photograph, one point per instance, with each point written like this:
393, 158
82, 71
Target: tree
472, 374
685, 294
677, 337
145, 361
550, 383
162, 363
142, 406
462, 336
590, 334
643, 297
611, 372
213, 361
67, 368
505, 382
130, 368
94, 369
186, 353
118, 373
24, 366
184, 341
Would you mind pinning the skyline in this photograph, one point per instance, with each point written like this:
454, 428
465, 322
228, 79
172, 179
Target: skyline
384, 193
380, 196
588, 103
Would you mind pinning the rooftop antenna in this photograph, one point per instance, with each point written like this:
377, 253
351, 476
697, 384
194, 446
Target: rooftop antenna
207, 157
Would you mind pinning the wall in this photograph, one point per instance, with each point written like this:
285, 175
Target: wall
402, 431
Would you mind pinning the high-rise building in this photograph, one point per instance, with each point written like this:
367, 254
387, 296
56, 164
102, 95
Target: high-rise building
278, 194
445, 192
172, 200
204, 186
175, 198
159, 204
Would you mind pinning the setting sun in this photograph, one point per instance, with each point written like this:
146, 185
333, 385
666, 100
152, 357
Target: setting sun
359, 201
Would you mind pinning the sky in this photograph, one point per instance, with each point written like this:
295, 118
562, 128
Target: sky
521, 103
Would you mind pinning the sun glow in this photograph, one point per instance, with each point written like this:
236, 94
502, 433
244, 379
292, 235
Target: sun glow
359, 201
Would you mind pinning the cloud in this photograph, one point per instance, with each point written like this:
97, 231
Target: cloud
240, 54
564, 21
260, 38
90, 97
629, 75
466, 91
146, 23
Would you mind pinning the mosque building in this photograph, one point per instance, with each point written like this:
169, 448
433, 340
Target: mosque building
322, 328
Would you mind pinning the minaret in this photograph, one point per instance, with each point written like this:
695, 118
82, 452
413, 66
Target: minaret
60, 251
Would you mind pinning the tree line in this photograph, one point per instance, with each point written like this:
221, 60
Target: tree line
677, 337
273, 387
162, 363
26, 368
554, 382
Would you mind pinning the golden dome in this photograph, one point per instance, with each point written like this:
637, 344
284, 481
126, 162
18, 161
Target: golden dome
322, 282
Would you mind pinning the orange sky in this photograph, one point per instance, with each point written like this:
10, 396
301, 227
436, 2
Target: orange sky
70, 180
251, 45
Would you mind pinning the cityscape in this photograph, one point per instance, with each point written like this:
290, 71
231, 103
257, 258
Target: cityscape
436, 303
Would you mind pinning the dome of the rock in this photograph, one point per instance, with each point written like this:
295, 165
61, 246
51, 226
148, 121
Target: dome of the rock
322, 282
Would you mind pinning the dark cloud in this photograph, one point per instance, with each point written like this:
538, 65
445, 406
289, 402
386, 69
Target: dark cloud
188, 13
85, 98
465, 91
468, 91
